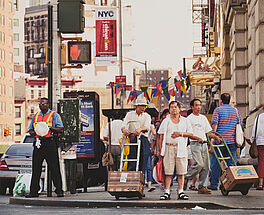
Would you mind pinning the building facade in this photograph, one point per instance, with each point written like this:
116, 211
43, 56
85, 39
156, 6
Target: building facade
240, 31
6, 71
35, 40
18, 41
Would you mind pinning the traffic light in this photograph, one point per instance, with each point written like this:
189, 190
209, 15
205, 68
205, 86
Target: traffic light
71, 16
7, 132
204, 34
79, 52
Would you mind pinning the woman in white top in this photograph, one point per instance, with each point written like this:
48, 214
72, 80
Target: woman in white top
259, 122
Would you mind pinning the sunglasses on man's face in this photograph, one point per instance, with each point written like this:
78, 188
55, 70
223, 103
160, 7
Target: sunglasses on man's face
43, 103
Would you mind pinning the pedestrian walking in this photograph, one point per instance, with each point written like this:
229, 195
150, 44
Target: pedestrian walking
199, 149
174, 131
45, 147
224, 122
136, 125
259, 122
116, 134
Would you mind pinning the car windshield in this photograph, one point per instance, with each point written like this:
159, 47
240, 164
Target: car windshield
20, 149
29, 139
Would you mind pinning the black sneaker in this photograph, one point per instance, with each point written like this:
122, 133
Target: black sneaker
32, 195
60, 194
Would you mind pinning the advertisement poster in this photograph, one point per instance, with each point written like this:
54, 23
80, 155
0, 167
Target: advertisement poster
106, 39
85, 148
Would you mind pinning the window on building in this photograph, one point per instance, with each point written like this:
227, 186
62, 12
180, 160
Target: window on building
32, 94
42, 67
10, 91
4, 107
32, 110
32, 35
43, 33
16, 36
15, 22
10, 58
16, 51
42, 50
10, 41
10, 24
18, 112
3, 20
18, 129
0, 76
11, 109
10, 7
31, 53
31, 67
39, 94
15, 4
0, 36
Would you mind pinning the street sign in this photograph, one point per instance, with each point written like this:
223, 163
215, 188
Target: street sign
120, 80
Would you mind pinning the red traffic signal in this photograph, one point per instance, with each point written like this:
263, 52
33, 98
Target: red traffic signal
79, 52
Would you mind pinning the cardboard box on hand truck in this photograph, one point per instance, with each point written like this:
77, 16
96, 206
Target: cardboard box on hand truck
234, 176
125, 184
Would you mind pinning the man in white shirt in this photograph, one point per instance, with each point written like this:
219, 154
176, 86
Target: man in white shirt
116, 134
174, 132
136, 125
198, 145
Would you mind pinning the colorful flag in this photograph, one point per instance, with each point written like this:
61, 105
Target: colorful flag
117, 90
180, 74
178, 85
172, 92
183, 87
155, 100
159, 88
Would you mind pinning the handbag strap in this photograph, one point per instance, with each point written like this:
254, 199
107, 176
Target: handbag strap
237, 116
256, 128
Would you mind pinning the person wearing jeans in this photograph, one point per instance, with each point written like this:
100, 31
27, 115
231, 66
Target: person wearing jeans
198, 145
224, 122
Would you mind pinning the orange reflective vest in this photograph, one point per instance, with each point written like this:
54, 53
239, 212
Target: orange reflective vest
47, 118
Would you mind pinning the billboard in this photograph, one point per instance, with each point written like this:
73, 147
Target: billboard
202, 70
106, 38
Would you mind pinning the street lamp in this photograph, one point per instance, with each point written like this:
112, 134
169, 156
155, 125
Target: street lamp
145, 64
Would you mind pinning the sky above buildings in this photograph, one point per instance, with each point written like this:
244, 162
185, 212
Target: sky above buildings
163, 32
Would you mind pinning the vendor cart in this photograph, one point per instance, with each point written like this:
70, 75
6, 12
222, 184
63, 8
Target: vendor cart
233, 178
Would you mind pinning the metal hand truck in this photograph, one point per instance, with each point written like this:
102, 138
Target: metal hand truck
233, 178
127, 183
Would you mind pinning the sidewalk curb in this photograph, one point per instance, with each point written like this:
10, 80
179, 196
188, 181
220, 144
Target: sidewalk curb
115, 203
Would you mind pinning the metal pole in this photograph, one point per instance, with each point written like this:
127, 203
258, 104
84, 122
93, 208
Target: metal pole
50, 83
146, 72
120, 40
120, 47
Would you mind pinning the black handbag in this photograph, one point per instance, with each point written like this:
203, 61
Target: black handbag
253, 150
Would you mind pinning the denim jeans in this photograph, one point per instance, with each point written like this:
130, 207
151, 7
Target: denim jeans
215, 168
200, 163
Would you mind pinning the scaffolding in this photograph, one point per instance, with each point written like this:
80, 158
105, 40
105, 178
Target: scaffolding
198, 11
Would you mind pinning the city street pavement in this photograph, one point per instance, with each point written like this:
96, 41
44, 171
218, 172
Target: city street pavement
97, 197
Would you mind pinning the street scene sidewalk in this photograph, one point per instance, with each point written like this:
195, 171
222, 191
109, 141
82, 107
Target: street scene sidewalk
97, 197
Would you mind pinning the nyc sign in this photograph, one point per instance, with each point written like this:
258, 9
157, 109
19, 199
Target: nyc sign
107, 13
